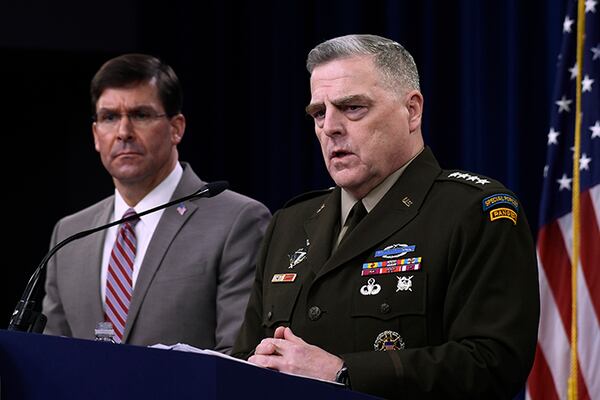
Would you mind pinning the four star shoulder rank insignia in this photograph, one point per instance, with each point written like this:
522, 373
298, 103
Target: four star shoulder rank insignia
469, 178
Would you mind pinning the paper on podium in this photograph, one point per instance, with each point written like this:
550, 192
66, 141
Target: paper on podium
192, 349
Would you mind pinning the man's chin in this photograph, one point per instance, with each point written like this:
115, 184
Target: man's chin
344, 179
127, 159
352, 181
125, 171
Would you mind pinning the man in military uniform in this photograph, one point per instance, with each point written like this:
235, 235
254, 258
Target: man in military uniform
406, 280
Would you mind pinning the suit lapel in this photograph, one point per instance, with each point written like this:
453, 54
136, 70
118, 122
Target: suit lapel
399, 206
169, 225
320, 230
90, 280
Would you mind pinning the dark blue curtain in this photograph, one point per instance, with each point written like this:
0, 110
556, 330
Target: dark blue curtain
487, 71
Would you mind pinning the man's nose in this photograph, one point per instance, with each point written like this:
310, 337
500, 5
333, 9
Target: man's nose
333, 122
125, 129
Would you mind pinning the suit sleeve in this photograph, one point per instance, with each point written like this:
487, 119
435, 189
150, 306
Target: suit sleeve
236, 271
490, 319
52, 306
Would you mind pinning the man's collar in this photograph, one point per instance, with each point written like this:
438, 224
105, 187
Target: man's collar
375, 195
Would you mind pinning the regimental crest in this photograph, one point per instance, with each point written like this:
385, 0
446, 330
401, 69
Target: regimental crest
298, 256
389, 340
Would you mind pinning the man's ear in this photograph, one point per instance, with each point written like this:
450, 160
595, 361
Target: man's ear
414, 105
96, 145
177, 128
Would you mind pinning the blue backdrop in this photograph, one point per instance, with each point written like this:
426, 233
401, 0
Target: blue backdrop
487, 71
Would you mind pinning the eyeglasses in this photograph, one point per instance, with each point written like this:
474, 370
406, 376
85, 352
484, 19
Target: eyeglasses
109, 120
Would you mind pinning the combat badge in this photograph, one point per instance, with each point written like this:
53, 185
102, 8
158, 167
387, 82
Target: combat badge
389, 340
394, 251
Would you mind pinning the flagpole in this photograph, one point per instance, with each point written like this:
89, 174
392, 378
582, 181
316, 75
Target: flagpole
572, 385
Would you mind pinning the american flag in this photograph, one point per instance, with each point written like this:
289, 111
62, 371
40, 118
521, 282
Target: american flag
559, 331
181, 208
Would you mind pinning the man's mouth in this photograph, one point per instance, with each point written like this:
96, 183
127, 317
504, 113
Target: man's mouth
127, 153
339, 154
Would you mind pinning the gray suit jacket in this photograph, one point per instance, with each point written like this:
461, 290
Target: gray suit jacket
194, 281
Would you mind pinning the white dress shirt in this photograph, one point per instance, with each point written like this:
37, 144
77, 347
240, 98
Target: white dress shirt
144, 229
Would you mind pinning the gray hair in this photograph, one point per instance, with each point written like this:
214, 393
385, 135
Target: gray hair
393, 61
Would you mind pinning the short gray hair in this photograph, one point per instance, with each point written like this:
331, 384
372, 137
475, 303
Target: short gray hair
393, 61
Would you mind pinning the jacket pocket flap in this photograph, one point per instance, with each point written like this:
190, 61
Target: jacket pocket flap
390, 296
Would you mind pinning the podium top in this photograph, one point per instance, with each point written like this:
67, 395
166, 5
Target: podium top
35, 366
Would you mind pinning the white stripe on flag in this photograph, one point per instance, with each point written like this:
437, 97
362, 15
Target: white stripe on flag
554, 342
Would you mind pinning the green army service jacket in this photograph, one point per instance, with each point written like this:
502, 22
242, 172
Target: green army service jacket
433, 295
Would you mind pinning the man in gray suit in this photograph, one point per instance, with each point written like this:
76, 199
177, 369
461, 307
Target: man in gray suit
182, 274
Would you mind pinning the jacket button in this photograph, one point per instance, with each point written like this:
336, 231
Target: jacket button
314, 313
270, 315
385, 308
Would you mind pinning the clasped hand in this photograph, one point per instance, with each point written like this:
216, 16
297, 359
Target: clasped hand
287, 352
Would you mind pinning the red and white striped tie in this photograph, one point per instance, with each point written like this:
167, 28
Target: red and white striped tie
119, 284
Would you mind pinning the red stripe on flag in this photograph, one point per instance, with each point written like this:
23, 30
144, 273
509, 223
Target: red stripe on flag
582, 392
555, 259
590, 249
540, 383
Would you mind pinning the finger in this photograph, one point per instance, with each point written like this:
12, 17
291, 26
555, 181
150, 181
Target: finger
289, 335
279, 332
266, 347
271, 362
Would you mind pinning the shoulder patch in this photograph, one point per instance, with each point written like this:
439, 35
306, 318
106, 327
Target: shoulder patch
503, 213
499, 198
307, 196
501, 206
465, 177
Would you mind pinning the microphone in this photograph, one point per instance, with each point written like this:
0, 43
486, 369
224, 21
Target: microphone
25, 319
